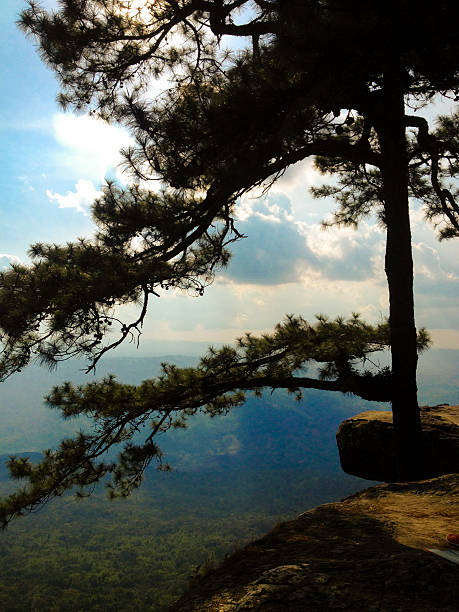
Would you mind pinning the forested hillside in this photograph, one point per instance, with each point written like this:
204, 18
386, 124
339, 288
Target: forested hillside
139, 554
234, 477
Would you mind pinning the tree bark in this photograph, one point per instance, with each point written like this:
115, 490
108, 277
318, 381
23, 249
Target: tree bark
399, 270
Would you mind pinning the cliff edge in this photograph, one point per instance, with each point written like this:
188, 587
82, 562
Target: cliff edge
364, 553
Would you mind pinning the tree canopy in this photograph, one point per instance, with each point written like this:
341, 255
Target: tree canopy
327, 79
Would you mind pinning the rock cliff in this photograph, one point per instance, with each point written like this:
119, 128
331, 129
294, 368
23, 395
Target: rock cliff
364, 553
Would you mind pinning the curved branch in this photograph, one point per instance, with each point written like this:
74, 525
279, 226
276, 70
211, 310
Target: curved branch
428, 143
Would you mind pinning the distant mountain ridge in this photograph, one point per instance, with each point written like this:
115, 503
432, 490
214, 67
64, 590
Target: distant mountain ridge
273, 431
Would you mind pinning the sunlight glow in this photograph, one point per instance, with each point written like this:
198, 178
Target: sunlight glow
141, 9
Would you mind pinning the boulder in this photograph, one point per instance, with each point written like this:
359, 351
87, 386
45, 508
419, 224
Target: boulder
366, 443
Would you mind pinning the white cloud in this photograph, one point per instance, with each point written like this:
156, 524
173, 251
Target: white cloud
300, 175
428, 266
280, 249
329, 243
6, 260
91, 146
84, 195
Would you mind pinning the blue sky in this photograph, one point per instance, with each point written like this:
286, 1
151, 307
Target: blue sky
53, 164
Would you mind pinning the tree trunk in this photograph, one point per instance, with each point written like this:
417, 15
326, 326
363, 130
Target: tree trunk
399, 270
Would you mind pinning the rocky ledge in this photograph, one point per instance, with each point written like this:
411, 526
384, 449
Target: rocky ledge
364, 553
366, 443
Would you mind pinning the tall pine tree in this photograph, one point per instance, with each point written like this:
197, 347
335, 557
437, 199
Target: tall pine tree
328, 79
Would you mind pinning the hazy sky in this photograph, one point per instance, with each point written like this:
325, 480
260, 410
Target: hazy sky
53, 164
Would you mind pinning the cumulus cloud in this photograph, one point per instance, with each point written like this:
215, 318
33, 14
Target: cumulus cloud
346, 254
6, 260
294, 184
431, 274
91, 146
274, 247
299, 175
84, 195
279, 249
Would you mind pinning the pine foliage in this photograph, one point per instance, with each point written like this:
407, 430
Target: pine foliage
226, 122
338, 353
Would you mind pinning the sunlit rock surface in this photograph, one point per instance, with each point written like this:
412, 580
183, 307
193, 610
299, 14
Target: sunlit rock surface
365, 553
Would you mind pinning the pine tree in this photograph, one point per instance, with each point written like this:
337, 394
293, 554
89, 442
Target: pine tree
328, 79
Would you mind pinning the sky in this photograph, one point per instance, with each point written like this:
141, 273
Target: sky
53, 165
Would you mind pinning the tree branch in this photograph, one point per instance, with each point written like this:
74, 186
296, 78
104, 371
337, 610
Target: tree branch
428, 143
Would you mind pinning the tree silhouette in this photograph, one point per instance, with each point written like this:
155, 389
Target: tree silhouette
328, 79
